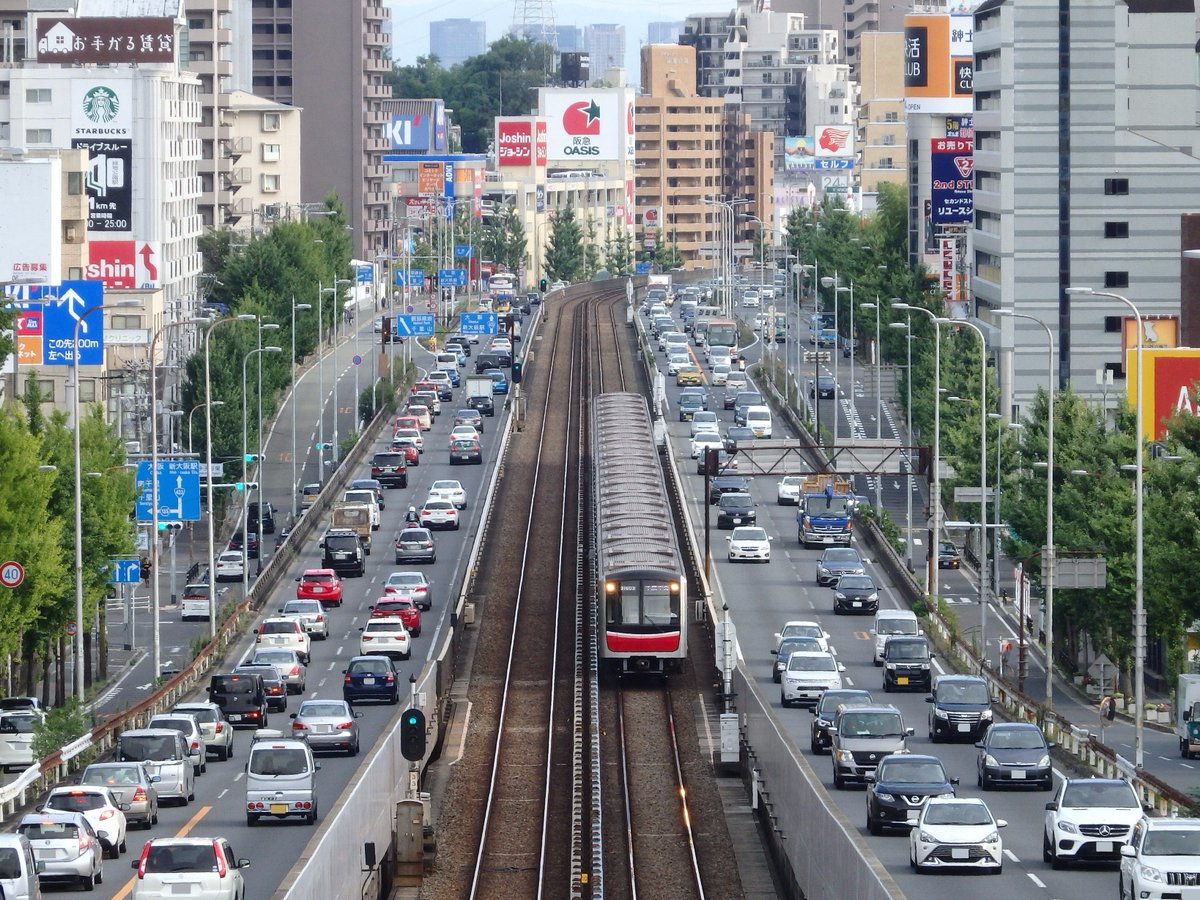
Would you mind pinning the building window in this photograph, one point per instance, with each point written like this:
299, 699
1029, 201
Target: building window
270, 153
270, 121
75, 183
270, 184
891, 117
1116, 187
1116, 279
46, 388
38, 136
1116, 229
124, 322
1112, 324
37, 95
87, 390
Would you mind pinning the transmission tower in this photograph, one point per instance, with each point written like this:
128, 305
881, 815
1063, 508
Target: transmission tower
535, 19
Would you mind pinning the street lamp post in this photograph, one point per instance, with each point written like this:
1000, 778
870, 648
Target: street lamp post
263, 326
192, 413
79, 680
908, 466
878, 367
982, 485
295, 476
935, 501
246, 471
1139, 613
1048, 559
336, 373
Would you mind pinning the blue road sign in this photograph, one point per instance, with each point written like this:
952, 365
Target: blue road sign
462, 251
833, 164
452, 277
641, 269
178, 491
416, 278
61, 306
478, 323
364, 274
124, 571
417, 325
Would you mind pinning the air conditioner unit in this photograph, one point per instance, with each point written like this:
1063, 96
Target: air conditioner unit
72, 234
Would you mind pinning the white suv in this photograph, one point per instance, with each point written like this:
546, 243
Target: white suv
191, 866
1162, 856
1089, 819
286, 633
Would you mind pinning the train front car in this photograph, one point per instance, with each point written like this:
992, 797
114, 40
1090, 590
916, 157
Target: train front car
639, 575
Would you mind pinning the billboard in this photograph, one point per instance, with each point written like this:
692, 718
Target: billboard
124, 265
1158, 333
938, 63
515, 142
409, 132
650, 217
585, 126
109, 183
1168, 386
31, 241
439, 125
430, 179
798, 153
101, 109
106, 40
834, 142
953, 181
539, 142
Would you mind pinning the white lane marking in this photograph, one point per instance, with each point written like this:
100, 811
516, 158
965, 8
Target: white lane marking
1186, 766
849, 681
1036, 880
938, 666
320, 683
238, 776
223, 793
334, 663
1011, 856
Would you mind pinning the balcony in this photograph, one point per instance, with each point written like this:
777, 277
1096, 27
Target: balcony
235, 148
240, 176
377, 92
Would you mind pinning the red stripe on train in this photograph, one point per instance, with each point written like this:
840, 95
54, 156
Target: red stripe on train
643, 643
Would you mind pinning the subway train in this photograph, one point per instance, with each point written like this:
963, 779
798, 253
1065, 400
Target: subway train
641, 585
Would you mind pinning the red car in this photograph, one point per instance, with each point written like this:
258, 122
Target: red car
405, 422
320, 584
402, 607
409, 448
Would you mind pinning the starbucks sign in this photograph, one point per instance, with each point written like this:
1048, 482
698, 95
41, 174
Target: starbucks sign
101, 109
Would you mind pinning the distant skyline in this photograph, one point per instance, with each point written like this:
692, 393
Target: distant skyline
411, 18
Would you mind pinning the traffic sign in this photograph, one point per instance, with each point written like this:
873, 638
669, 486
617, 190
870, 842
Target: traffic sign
478, 323
462, 251
12, 573
178, 490
452, 277
415, 325
356, 359
59, 307
816, 356
124, 571
642, 268
364, 274
72, 629
416, 278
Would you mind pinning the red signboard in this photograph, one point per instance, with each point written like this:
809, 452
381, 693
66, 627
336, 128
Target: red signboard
514, 143
124, 265
540, 142
1170, 385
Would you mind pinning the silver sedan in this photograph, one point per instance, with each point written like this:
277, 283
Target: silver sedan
293, 672
327, 725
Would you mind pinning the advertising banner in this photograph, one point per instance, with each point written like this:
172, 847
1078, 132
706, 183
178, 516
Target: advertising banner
835, 141
1168, 386
1158, 333
938, 63
409, 132
584, 126
439, 125
31, 238
514, 142
106, 40
953, 182
124, 265
539, 143
798, 153
101, 109
109, 183
650, 217
430, 179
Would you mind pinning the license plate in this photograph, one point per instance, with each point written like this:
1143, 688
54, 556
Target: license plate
912, 817
45, 854
1018, 774
903, 679
184, 890
959, 853
235, 717
318, 590
964, 727
737, 520
368, 681
279, 809
1104, 846
857, 604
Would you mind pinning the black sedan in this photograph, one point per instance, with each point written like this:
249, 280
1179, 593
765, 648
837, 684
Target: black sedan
900, 787
855, 594
948, 557
735, 509
1014, 754
825, 388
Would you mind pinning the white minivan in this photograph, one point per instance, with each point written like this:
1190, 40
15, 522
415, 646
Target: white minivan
18, 868
889, 622
758, 420
446, 362
281, 778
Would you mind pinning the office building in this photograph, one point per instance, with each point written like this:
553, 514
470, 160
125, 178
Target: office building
570, 38
882, 150
664, 32
454, 41
605, 47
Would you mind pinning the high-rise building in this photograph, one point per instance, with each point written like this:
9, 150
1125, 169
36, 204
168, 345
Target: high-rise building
883, 152
605, 47
1079, 182
570, 39
304, 55
454, 41
663, 32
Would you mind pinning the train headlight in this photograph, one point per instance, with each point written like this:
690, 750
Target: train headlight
674, 586
610, 587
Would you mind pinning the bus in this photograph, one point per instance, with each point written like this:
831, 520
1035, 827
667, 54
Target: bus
723, 333
502, 283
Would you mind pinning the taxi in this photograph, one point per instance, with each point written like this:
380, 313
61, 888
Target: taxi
688, 374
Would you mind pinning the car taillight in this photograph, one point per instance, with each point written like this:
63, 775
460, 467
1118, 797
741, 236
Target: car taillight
429, 545
141, 870
221, 870
195, 745
139, 796
347, 680
320, 618
390, 678
106, 814
299, 726
344, 726
295, 670
366, 637
84, 843
220, 727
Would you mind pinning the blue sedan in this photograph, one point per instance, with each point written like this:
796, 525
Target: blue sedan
371, 678
499, 380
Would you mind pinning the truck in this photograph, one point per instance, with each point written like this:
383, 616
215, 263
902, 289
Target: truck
1187, 715
662, 283
826, 511
479, 394
354, 516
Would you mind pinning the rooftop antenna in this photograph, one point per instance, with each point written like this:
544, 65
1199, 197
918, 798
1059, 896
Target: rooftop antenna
534, 19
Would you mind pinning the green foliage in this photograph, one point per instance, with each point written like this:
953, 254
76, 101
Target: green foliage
504, 240
618, 251
565, 257
63, 725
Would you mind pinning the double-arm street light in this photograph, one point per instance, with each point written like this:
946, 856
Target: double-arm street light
878, 366
982, 483
1139, 611
906, 326
935, 501
246, 472
1048, 560
336, 373
79, 681
212, 562
192, 415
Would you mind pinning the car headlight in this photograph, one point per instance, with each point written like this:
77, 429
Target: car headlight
940, 713
891, 667
1149, 873
890, 798
859, 571
986, 714
845, 756
838, 595
1044, 762
821, 570
874, 598
1068, 827
992, 838
925, 667
926, 838
990, 760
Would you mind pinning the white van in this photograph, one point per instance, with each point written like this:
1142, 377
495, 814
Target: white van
18, 868
366, 498
758, 419
446, 362
16, 737
281, 778
889, 622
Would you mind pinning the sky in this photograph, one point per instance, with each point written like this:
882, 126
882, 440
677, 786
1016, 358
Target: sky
411, 18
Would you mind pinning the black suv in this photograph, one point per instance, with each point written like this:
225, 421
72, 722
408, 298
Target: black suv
899, 788
492, 359
906, 664
735, 509
482, 404
243, 699
390, 469
719, 485
343, 552
961, 707
268, 516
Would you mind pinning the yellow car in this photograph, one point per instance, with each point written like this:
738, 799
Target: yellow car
688, 374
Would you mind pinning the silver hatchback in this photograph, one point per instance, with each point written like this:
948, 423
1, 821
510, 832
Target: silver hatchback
327, 725
68, 847
291, 668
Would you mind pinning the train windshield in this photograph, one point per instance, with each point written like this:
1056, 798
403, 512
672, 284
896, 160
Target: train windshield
647, 603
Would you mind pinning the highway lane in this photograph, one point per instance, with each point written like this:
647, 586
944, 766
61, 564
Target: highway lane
761, 598
219, 804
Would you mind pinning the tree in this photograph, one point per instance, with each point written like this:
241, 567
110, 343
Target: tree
565, 258
618, 251
504, 240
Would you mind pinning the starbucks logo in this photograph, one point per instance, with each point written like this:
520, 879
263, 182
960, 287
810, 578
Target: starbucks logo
101, 105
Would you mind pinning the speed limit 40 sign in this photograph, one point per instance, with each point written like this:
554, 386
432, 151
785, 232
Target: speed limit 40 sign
12, 574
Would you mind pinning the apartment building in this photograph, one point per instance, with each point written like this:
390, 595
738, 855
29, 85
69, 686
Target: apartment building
882, 150
266, 137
